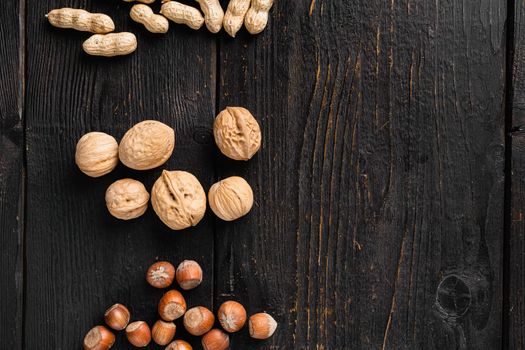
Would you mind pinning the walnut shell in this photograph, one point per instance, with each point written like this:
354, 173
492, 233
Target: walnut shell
147, 145
178, 199
237, 133
231, 198
127, 199
96, 154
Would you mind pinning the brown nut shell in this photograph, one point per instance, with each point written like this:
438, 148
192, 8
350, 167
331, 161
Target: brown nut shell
178, 199
117, 317
189, 274
231, 198
127, 199
216, 340
110, 45
232, 316
99, 338
163, 332
172, 305
96, 154
161, 274
262, 326
179, 345
198, 320
147, 145
237, 133
138, 334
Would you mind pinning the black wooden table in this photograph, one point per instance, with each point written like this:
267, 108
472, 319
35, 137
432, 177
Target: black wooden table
389, 187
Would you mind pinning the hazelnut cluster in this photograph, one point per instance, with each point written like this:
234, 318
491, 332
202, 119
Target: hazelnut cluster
177, 197
198, 320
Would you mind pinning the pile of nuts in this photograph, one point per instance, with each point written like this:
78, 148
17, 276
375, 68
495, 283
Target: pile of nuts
253, 13
177, 197
198, 320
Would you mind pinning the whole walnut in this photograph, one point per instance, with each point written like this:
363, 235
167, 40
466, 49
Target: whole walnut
237, 133
147, 145
127, 199
96, 154
231, 198
178, 199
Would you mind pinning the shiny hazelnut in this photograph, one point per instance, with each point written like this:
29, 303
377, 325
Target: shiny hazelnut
138, 334
172, 305
99, 338
117, 317
198, 320
161, 274
127, 199
237, 133
178, 199
262, 326
215, 340
231, 198
163, 332
232, 316
179, 345
96, 154
189, 274
146, 145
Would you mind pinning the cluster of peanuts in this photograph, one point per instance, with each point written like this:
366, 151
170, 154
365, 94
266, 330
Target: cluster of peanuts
198, 320
252, 13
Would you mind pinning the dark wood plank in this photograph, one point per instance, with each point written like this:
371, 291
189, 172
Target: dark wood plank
80, 259
11, 175
516, 243
379, 186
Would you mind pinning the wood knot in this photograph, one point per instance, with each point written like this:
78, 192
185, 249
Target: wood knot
453, 296
203, 136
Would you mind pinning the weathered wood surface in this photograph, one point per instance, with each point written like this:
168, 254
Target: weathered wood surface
379, 188
379, 217
11, 178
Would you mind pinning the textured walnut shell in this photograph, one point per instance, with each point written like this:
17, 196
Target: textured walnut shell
231, 198
127, 199
237, 133
147, 145
178, 199
96, 154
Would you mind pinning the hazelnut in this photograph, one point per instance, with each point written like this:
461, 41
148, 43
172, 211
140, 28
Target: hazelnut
178, 199
147, 145
161, 274
262, 326
198, 320
138, 334
179, 345
96, 154
163, 332
231, 198
237, 133
172, 305
189, 274
232, 316
99, 338
215, 340
117, 317
127, 199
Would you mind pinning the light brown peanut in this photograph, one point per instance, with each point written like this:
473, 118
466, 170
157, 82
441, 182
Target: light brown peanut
81, 20
257, 16
144, 15
109, 45
234, 17
213, 14
142, 1
182, 14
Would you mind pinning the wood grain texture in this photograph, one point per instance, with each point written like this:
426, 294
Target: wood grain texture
11, 176
80, 259
515, 331
379, 186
